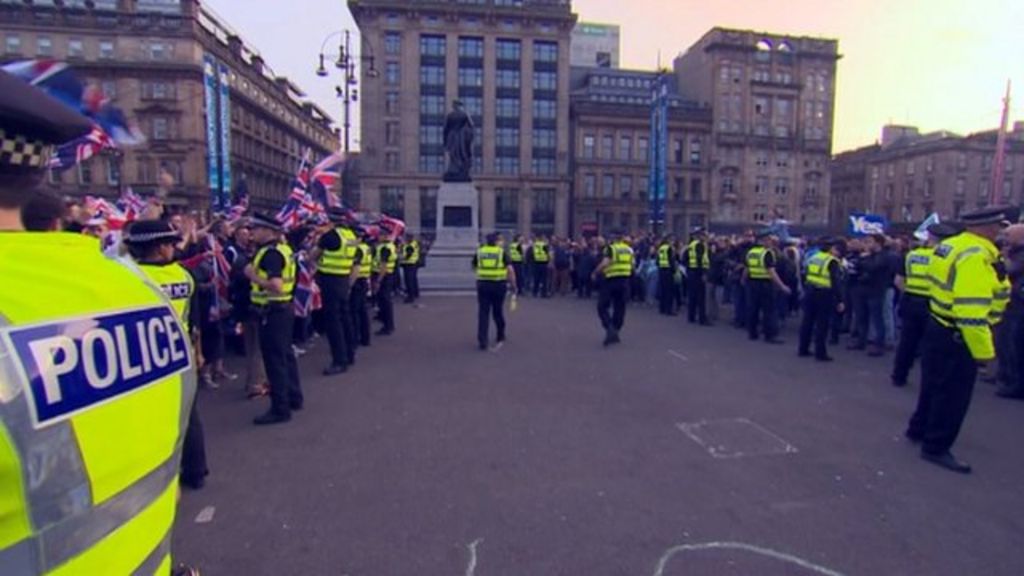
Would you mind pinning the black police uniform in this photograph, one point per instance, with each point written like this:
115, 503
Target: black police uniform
385, 303
336, 311
666, 279
360, 304
820, 308
277, 321
761, 304
696, 285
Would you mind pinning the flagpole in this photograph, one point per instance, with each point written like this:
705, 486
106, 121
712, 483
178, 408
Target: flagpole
999, 165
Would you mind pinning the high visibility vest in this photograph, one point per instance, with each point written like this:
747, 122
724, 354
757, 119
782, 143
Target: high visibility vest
176, 283
515, 253
339, 262
490, 264
916, 269
818, 274
260, 297
622, 261
964, 289
705, 260
1000, 300
540, 252
756, 269
392, 261
366, 264
411, 254
664, 256
103, 382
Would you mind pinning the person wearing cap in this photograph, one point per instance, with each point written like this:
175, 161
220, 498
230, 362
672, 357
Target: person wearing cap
616, 269
541, 260
272, 274
666, 274
762, 280
958, 338
386, 258
517, 258
101, 375
915, 286
336, 272
411, 257
823, 300
698, 261
362, 289
494, 275
1012, 355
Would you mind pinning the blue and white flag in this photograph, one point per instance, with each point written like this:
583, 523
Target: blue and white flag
867, 224
922, 231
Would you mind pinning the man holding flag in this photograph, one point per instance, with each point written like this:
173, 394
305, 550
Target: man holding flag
335, 254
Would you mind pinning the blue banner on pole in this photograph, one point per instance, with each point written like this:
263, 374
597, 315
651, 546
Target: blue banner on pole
212, 140
867, 224
658, 150
225, 136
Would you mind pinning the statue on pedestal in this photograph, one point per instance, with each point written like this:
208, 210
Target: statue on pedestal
458, 144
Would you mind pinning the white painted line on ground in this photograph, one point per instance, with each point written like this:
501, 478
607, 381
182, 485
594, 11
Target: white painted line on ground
691, 429
781, 556
205, 515
471, 569
678, 355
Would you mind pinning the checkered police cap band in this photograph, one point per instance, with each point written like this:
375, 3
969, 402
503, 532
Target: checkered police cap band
16, 150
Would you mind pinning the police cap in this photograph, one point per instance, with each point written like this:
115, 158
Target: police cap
31, 124
151, 232
942, 231
698, 230
340, 216
260, 220
985, 216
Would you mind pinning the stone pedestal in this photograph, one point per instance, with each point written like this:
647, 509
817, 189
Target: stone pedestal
449, 262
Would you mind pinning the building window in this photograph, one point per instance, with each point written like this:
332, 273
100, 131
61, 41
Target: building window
114, 171
728, 185
607, 146
392, 201
910, 167
506, 137
506, 208
393, 42
428, 209
44, 46
545, 81
625, 148
644, 186
472, 77
695, 151
960, 188
543, 166
781, 186
589, 185
696, 190
545, 109
505, 78
507, 165
109, 88
543, 210
391, 133
391, 103
391, 73
626, 185
431, 163
391, 161
471, 47
85, 173
544, 138
432, 75
507, 108
165, 6
761, 186
677, 151
432, 105
12, 44
545, 51
608, 186
588, 146
76, 49
161, 129
107, 50
432, 45
508, 49
159, 51
642, 148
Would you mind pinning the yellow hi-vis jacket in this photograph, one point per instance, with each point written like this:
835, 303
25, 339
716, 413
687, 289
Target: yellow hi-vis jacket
964, 288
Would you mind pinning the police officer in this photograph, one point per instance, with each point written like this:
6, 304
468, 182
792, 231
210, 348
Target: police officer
493, 275
410, 268
958, 338
362, 290
387, 260
98, 380
616, 268
335, 254
823, 300
541, 260
666, 276
698, 261
913, 281
272, 274
516, 257
761, 281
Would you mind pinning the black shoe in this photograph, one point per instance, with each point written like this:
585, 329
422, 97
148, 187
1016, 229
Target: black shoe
334, 369
609, 337
196, 484
914, 437
856, 347
824, 358
1010, 393
296, 406
482, 346
774, 341
706, 323
271, 417
899, 383
615, 337
947, 461
803, 354
833, 342
383, 332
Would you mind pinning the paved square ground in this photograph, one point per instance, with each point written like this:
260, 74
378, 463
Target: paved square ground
557, 457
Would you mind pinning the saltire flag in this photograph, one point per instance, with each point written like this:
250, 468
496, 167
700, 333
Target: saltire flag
81, 149
306, 297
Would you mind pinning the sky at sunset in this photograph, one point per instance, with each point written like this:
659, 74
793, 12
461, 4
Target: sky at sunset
937, 64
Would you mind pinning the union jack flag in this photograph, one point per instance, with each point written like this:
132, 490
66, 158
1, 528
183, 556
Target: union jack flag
220, 304
81, 149
241, 203
290, 215
325, 177
131, 204
306, 296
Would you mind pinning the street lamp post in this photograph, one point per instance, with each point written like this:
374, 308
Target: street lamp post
346, 62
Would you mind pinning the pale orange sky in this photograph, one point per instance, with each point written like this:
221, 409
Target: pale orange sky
937, 64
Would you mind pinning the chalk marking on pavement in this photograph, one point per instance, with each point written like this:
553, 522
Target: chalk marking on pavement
205, 515
782, 556
690, 429
471, 569
678, 355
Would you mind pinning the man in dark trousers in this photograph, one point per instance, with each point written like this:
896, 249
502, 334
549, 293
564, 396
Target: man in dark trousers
541, 262
386, 260
823, 299
698, 261
494, 275
410, 268
361, 290
335, 254
913, 281
666, 276
958, 340
762, 281
1013, 320
272, 274
517, 258
615, 268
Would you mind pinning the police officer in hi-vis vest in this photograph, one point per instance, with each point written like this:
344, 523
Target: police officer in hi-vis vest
96, 380
386, 258
616, 269
410, 268
151, 244
666, 276
762, 281
823, 299
494, 275
913, 281
541, 262
335, 255
272, 274
362, 290
698, 262
517, 258
964, 303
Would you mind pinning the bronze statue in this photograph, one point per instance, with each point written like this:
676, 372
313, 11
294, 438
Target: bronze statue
458, 143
